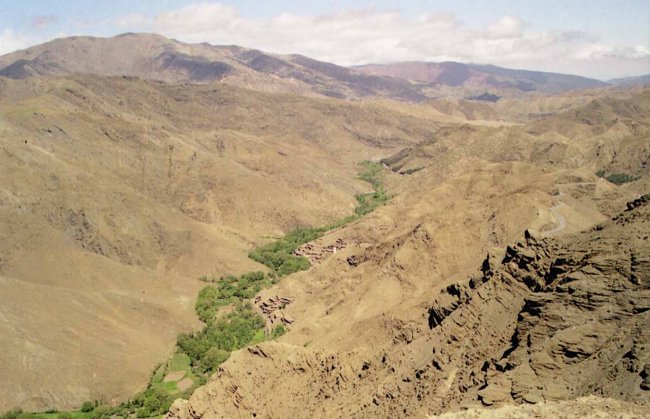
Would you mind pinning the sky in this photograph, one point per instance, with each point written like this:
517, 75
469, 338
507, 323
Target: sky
595, 38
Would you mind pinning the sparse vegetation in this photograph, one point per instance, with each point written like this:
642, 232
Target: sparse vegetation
617, 178
369, 201
87, 406
410, 171
199, 354
278, 331
278, 255
486, 97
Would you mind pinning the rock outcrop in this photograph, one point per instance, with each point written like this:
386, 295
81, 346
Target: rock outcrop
553, 320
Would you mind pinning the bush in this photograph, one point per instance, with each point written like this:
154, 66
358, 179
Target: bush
279, 255
617, 178
143, 412
102, 412
229, 333
11, 414
278, 331
87, 407
213, 358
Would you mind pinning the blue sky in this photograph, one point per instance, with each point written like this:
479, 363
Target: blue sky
597, 38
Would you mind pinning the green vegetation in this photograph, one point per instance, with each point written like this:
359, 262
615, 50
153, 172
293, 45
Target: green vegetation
278, 255
233, 331
369, 201
18, 414
617, 178
278, 331
228, 290
199, 354
87, 406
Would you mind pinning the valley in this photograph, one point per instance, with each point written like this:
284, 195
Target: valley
203, 231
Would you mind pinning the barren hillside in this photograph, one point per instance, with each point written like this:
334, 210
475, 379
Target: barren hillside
117, 194
410, 317
507, 266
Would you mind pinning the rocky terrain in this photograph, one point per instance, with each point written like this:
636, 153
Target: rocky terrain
507, 273
410, 318
551, 320
118, 194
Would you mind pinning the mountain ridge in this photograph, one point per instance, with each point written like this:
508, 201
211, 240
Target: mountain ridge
154, 57
484, 76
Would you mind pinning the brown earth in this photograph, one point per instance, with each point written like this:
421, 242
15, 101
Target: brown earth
411, 319
116, 194
590, 407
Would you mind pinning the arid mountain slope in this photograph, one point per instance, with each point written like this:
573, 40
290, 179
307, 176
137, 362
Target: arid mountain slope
481, 77
154, 57
631, 81
116, 194
408, 317
550, 320
608, 134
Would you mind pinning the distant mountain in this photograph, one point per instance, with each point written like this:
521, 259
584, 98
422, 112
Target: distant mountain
154, 57
481, 76
631, 81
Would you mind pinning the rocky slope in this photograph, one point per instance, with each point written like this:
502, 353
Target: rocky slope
551, 320
409, 318
117, 194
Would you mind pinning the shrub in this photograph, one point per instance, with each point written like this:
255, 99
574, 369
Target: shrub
143, 412
213, 358
278, 331
621, 178
102, 412
617, 178
11, 414
87, 406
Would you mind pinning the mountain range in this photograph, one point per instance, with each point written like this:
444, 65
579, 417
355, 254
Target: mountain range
154, 57
503, 271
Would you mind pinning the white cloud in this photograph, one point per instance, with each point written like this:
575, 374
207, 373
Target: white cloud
506, 27
365, 36
11, 41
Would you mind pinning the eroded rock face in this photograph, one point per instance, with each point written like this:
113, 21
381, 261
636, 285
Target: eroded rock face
578, 311
554, 319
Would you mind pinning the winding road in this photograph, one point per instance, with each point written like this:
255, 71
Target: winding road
559, 217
